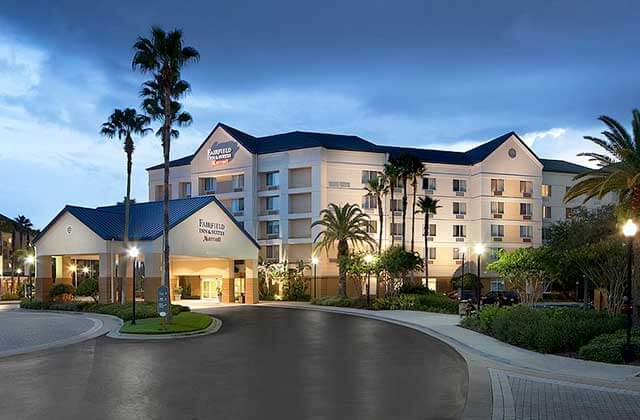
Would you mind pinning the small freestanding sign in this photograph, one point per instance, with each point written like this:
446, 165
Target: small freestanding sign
163, 304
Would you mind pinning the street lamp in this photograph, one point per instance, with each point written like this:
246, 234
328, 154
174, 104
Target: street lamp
30, 260
369, 259
629, 230
133, 252
464, 251
479, 249
314, 264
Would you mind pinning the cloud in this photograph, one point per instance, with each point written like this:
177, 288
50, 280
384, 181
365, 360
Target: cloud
554, 133
20, 68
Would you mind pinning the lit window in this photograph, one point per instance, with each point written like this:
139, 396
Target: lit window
546, 190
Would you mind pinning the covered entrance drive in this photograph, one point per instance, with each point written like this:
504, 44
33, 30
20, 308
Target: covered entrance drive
212, 257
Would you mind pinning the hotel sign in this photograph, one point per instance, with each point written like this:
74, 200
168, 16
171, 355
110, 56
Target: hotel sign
222, 153
211, 231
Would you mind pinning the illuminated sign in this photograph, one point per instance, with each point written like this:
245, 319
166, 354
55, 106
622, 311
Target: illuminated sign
221, 153
211, 231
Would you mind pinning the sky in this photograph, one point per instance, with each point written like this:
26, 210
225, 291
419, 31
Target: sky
440, 74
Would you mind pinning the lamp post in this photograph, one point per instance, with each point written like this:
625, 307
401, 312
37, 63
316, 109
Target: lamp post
314, 264
133, 253
464, 251
369, 259
479, 249
629, 230
30, 260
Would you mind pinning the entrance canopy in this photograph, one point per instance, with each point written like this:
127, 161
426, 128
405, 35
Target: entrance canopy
199, 227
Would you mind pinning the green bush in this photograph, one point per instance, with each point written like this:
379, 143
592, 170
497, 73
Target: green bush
33, 304
338, 301
608, 347
426, 302
72, 306
143, 309
61, 290
548, 330
414, 289
10, 296
88, 287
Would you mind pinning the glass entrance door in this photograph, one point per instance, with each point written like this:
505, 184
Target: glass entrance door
211, 288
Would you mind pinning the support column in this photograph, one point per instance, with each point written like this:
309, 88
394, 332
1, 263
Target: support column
152, 276
44, 279
67, 274
106, 284
228, 284
252, 294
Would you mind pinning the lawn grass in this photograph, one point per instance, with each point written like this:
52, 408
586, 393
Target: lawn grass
183, 322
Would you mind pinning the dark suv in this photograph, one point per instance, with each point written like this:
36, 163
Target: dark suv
504, 298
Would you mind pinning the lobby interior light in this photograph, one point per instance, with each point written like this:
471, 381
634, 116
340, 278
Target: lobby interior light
30, 259
369, 258
73, 268
479, 249
85, 270
629, 229
19, 271
133, 252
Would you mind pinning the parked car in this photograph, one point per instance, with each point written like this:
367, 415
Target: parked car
501, 298
469, 295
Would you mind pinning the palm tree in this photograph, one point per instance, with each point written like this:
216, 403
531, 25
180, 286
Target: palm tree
407, 164
427, 206
345, 225
164, 56
417, 174
378, 188
392, 172
124, 123
24, 227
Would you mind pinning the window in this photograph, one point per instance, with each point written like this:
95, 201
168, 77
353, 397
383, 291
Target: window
497, 231
160, 192
272, 203
272, 179
546, 190
432, 229
272, 252
459, 231
526, 231
526, 188
497, 207
497, 285
546, 212
459, 208
397, 184
273, 227
525, 209
429, 184
545, 233
459, 185
237, 205
396, 204
209, 185
396, 229
497, 186
369, 202
369, 175
237, 182
432, 253
432, 283
494, 254
372, 226
457, 253
185, 189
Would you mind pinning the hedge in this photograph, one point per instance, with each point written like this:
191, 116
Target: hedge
429, 302
548, 330
143, 309
608, 347
343, 302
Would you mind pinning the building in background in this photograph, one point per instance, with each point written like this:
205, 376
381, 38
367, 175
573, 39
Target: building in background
499, 194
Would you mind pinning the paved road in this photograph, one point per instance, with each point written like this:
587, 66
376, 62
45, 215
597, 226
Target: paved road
265, 363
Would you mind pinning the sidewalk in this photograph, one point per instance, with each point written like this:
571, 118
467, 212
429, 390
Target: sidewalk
507, 382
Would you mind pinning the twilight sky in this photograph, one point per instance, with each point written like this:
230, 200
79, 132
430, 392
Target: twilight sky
445, 74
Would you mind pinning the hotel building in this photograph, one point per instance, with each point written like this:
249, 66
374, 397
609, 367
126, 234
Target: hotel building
499, 194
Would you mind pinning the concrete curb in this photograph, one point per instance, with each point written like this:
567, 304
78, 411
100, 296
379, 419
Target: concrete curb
213, 328
95, 331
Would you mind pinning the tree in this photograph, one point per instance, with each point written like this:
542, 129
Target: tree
344, 225
427, 206
164, 56
392, 171
123, 124
88, 287
394, 264
378, 188
24, 227
407, 165
417, 173
526, 270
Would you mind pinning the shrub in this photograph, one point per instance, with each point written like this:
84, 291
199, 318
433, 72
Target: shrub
32, 304
608, 347
143, 309
88, 287
295, 291
343, 302
414, 289
427, 302
487, 316
62, 292
10, 296
72, 306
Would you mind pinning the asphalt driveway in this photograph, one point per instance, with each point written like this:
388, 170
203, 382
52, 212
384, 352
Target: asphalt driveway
265, 363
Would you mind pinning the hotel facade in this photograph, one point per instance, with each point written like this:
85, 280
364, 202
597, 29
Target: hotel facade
499, 194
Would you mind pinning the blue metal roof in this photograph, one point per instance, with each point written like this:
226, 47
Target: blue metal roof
554, 165
303, 139
145, 219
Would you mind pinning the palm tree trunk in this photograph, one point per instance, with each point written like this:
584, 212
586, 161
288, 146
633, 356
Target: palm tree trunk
125, 238
166, 144
393, 215
381, 221
413, 213
404, 211
426, 248
343, 251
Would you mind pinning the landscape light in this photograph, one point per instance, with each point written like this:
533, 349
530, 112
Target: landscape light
369, 258
629, 229
19, 271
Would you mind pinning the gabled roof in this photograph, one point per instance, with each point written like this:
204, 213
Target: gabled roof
554, 165
145, 219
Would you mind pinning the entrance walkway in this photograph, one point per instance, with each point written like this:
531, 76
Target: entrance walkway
507, 382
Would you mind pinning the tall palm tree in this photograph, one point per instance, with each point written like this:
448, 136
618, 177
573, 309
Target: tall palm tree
407, 164
344, 225
392, 172
416, 175
164, 56
427, 206
378, 188
24, 227
123, 124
